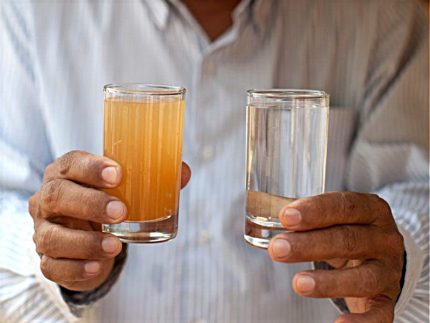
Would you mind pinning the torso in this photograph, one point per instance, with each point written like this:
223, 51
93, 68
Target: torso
207, 273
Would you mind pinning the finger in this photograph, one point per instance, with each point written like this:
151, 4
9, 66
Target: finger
265, 204
33, 205
68, 270
85, 168
344, 241
56, 241
334, 208
63, 197
337, 262
75, 224
367, 280
380, 310
185, 174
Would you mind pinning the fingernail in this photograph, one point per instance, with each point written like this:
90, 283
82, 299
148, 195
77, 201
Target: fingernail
115, 210
111, 245
291, 217
92, 267
305, 284
281, 248
110, 175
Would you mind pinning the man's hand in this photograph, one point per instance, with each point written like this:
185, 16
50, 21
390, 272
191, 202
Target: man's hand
67, 212
356, 234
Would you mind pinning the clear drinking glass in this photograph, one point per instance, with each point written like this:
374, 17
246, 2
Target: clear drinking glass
143, 125
286, 155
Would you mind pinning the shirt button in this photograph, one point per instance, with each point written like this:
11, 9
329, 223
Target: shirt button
209, 68
204, 237
208, 152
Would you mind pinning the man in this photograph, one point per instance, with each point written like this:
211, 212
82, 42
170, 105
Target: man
371, 57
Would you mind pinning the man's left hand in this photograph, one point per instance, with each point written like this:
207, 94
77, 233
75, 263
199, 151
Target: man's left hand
356, 234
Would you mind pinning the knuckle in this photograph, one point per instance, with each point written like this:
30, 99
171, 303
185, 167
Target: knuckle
397, 242
51, 193
383, 206
370, 281
395, 277
394, 244
46, 267
349, 238
49, 171
32, 204
373, 197
46, 239
91, 163
65, 162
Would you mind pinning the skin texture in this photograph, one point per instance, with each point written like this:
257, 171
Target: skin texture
67, 212
356, 234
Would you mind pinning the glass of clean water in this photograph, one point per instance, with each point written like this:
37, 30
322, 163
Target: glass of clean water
286, 152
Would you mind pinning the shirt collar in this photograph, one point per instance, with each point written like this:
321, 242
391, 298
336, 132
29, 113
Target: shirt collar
159, 11
257, 10
260, 13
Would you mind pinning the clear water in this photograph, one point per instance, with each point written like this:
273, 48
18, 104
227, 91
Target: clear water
286, 159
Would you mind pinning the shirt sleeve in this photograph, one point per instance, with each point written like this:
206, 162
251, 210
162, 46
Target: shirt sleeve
25, 294
24, 154
409, 204
390, 153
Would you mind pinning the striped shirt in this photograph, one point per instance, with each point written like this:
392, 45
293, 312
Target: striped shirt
55, 57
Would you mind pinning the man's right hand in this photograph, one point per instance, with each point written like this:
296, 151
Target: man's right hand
67, 212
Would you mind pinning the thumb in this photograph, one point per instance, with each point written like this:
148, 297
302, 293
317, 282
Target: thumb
380, 309
185, 175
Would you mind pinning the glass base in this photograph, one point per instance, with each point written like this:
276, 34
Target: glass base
259, 235
144, 231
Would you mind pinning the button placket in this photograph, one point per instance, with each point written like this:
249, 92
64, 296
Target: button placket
204, 237
208, 152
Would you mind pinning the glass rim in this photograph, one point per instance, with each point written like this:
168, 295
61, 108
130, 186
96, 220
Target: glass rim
287, 94
147, 89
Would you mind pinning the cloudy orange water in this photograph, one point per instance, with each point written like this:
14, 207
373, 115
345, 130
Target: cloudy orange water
145, 138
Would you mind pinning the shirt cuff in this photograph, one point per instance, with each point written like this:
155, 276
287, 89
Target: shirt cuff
78, 301
414, 265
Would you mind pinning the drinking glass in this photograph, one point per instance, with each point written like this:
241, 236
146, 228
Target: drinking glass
143, 125
285, 155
